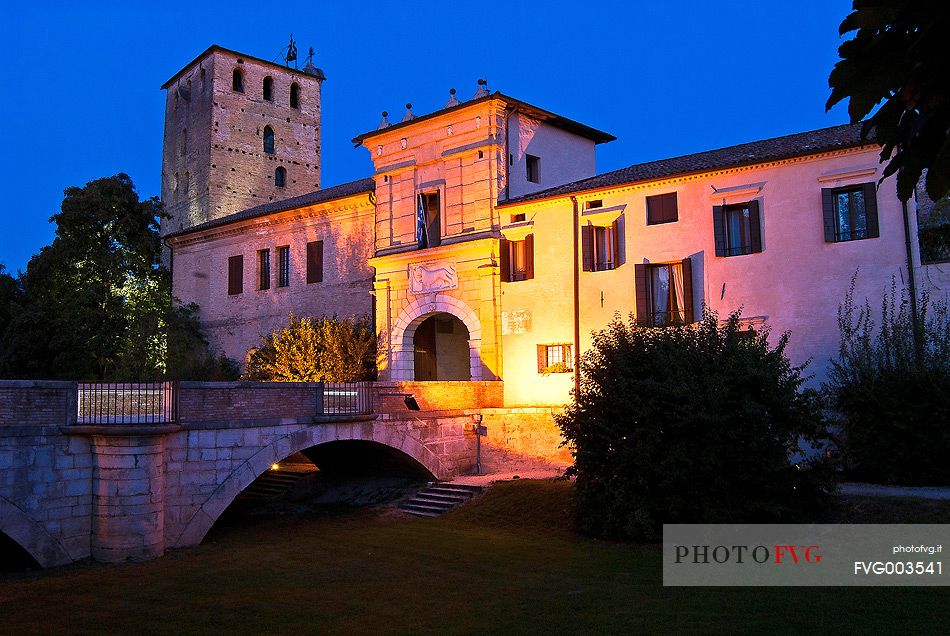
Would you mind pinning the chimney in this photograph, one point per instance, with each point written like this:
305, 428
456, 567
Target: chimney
453, 101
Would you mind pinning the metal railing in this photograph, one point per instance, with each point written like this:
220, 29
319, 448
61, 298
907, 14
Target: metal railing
347, 398
127, 403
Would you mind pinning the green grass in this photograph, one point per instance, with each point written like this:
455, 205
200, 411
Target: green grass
507, 563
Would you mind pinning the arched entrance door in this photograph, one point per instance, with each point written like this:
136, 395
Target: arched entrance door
441, 349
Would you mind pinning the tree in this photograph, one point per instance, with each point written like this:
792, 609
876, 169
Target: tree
325, 349
892, 388
900, 55
691, 424
96, 303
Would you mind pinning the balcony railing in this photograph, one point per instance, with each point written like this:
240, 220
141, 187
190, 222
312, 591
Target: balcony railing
347, 398
127, 403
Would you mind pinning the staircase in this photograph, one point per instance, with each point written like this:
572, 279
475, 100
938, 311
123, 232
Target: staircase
268, 486
437, 498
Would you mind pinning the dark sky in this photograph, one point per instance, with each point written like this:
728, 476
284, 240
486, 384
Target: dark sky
82, 97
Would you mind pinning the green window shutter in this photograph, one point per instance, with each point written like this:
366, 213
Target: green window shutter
504, 260
828, 213
870, 208
719, 229
529, 256
587, 247
642, 293
688, 291
755, 227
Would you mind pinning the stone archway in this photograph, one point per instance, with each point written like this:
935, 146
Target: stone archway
208, 512
31, 536
414, 314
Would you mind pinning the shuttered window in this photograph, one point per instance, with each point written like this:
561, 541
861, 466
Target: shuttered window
737, 229
314, 262
662, 209
850, 213
664, 293
601, 247
555, 358
235, 275
517, 259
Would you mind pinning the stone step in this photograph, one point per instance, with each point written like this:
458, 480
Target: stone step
438, 496
423, 507
454, 486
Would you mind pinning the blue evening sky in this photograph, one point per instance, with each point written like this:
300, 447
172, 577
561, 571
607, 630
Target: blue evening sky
82, 79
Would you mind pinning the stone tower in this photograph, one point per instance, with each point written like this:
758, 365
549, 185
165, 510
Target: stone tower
239, 132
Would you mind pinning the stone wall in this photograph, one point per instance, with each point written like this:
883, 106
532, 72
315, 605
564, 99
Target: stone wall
438, 396
202, 402
522, 438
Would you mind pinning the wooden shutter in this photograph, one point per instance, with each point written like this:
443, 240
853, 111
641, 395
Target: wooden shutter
688, 291
529, 257
755, 227
870, 208
587, 247
615, 230
504, 260
542, 358
642, 292
828, 213
314, 262
235, 275
719, 229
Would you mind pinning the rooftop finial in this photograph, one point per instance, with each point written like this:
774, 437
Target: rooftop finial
408, 114
384, 122
310, 69
453, 101
291, 52
482, 89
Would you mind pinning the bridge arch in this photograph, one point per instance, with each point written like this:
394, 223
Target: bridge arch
31, 535
414, 314
284, 446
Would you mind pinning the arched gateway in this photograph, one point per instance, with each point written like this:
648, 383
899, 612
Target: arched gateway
429, 339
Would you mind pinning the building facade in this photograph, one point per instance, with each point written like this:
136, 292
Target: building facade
486, 246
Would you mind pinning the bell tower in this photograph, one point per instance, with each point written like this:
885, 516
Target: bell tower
239, 132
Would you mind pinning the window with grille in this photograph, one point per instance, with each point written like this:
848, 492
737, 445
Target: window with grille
283, 266
263, 269
555, 358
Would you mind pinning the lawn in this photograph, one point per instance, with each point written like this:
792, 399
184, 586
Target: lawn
507, 563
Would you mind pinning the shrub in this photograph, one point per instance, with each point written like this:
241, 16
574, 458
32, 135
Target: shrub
325, 349
892, 388
690, 424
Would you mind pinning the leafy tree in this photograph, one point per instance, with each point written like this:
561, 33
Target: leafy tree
96, 303
691, 424
900, 55
893, 392
9, 296
325, 349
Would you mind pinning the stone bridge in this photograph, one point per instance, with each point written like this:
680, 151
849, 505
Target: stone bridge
75, 484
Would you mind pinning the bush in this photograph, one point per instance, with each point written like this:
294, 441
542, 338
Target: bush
325, 349
690, 424
892, 388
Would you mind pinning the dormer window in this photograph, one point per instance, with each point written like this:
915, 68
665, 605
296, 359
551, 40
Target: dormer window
269, 88
237, 81
294, 95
